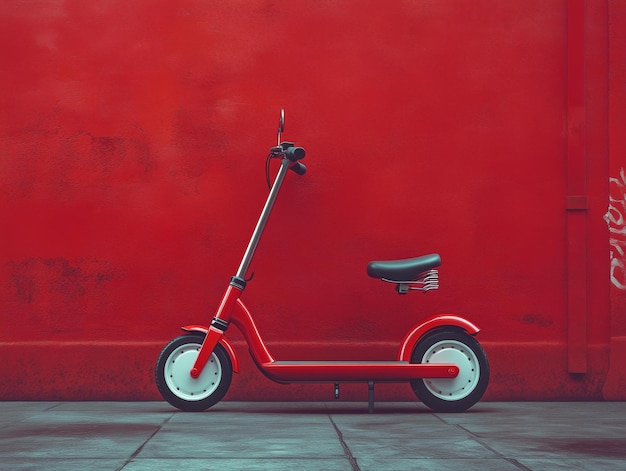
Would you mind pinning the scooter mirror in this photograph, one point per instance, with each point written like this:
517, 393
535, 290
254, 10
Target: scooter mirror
281, 124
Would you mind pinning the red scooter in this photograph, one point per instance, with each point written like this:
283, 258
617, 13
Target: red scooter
440, 358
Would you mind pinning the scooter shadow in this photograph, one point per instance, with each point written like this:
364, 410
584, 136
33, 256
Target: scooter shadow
326, 408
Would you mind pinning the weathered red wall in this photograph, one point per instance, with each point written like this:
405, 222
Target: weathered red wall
132, 147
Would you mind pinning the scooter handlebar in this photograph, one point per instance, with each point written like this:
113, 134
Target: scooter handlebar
298, 168
295, 153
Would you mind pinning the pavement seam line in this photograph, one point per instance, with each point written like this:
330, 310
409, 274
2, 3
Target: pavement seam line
138, 450
52, 407
344, 445
477, 439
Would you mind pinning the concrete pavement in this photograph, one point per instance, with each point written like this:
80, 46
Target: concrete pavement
139, 436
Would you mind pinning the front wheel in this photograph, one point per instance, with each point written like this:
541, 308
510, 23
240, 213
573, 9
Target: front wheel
176, 384
451, 394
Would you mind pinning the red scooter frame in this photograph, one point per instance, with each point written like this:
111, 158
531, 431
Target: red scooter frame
446, 367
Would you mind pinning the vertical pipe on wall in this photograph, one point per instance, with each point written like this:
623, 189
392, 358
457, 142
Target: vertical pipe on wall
614, 388
576, 200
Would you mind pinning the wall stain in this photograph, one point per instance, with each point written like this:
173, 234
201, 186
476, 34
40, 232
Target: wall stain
59, 296
537, 319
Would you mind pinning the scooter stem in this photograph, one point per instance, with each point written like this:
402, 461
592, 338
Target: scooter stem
238, 282
265, 214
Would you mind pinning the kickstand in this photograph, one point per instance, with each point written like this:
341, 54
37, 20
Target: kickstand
370, 397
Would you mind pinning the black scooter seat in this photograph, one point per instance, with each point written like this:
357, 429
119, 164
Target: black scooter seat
406, 269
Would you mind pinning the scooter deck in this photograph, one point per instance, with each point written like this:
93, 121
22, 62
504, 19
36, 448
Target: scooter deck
357, 371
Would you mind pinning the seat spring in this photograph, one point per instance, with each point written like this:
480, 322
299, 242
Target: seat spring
426, 281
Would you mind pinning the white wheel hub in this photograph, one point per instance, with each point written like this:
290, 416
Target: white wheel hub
456, 353
180, 381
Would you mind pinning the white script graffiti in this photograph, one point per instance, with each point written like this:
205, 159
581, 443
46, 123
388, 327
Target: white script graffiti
617, 229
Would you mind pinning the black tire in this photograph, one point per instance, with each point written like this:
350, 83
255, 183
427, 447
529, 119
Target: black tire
176, 384
453, 394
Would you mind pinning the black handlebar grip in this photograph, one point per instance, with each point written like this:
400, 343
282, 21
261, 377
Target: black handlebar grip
295, 153
299, 168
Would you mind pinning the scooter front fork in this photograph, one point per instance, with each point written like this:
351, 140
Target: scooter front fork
219, 324
215, 333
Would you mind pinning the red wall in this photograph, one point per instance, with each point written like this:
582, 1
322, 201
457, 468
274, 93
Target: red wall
132, 144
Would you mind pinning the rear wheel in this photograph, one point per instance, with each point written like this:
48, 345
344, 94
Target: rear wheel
451, 394
179, 388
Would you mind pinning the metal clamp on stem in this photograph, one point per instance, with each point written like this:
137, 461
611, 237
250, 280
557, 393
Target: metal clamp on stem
427, 281
220, 324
